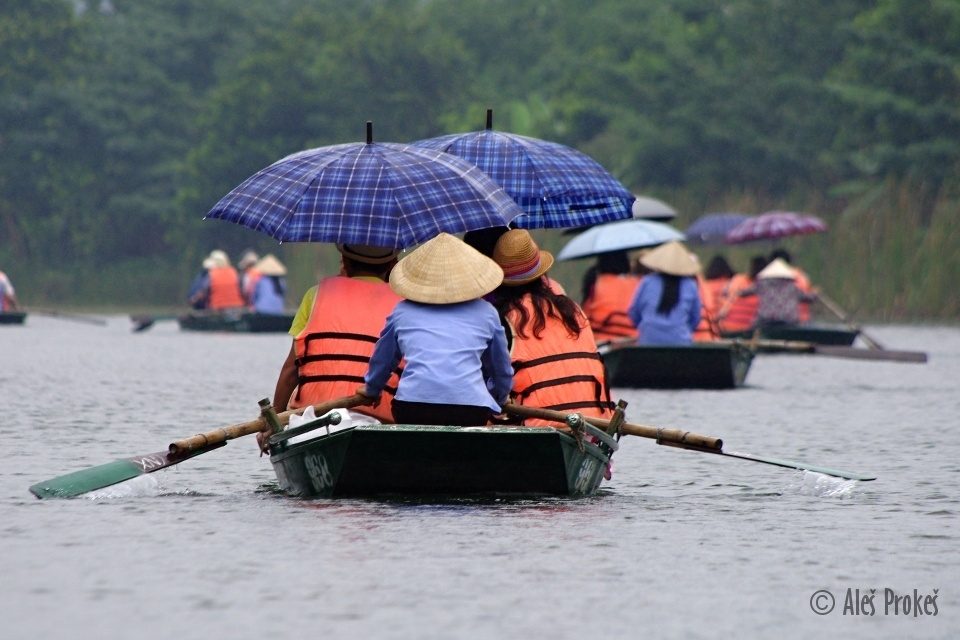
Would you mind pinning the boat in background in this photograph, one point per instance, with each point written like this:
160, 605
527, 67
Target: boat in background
236, 321
420, 460
12, 317
819, 334
701, 365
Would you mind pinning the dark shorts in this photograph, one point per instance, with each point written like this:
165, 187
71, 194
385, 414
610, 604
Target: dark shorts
460, 415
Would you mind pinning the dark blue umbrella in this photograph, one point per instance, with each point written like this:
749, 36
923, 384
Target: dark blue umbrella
556, 186
712, 228
382, 194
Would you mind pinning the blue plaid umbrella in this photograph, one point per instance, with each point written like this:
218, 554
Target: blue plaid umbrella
556, 186
382, 194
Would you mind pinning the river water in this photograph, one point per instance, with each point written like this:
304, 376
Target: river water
678, 544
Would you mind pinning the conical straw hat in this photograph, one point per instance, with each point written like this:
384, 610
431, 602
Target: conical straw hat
520, 258
671, 258
778, 269
445, 270
268, 265
219, 258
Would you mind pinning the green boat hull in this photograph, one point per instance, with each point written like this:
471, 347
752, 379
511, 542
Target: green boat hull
815, 334
236, 322
696, 366
415, 460
12, 317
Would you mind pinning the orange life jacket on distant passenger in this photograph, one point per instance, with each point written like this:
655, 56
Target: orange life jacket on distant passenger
742, 311
607, 306
558, 371
333, 350
224, 288
706, 330
803, 283
250, 279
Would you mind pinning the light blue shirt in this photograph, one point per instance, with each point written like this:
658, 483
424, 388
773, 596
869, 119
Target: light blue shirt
455, 354
675, 327
266, 299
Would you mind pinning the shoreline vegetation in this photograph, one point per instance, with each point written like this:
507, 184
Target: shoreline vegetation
123, 122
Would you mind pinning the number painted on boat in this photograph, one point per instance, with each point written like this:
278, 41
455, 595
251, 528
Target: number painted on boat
319, 471
583, 482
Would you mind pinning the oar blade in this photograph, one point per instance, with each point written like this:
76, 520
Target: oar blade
800, 466
86, 480
871, 354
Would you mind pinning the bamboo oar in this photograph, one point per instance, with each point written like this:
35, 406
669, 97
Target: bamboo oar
73, 317
105, 475
836, 351
683, 440
844, 317
144, 322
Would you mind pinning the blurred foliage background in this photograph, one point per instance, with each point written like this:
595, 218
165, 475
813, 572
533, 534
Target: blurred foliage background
123, 121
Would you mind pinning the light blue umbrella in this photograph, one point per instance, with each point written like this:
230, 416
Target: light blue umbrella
624, 235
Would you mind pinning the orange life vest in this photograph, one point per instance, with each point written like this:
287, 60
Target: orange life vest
803, 283
707, 327
557, 371
741, 310
250, 279
224, 288
607, 306
333, 350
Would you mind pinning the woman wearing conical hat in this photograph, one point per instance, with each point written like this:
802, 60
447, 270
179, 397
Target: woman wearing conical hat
779, 296
270, 287
666, 307
553, 350
457, 369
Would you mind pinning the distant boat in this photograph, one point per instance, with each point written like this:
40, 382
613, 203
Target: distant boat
813, 333
701, 365
12, 317
236, 321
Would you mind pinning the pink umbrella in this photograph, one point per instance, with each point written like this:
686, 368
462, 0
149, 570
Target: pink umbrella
775, 224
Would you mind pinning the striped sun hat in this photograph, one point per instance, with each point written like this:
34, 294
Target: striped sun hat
520, 258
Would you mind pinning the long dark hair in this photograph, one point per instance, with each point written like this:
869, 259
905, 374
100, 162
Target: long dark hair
718, 268
546, 304
670, 295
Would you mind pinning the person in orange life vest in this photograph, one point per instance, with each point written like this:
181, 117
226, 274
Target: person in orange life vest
802, 280
221, 286
8, 297
608, 288
249, 275
739, 313
552, 348
711, 284
457, 368
334, 332
779, 295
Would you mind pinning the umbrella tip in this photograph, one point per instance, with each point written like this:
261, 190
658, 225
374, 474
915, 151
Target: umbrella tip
369, 132
489, 119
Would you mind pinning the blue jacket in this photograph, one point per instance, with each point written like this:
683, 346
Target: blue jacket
675, 327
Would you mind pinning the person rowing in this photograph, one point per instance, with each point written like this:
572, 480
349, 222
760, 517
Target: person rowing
552, 347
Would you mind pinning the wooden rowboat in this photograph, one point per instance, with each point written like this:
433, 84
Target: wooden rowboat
236, 321
812, 333
703, 365
13, 317
418, 460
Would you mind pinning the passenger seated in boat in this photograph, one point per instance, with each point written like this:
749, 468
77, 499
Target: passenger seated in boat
666, 307
220, 286
8, 297
802, 280
553, 350
739, 313
334, 332
778, 294
608, 288
457, 368
249, 275
270, 288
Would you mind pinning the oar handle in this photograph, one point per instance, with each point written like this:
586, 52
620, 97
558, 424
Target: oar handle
845, 317
203, 440
673, 436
